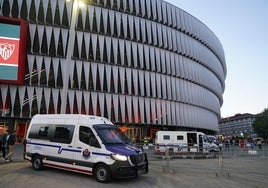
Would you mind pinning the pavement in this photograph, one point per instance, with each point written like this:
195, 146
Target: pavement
230, 171
18, 154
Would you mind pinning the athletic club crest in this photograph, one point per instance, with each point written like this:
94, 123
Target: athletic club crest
6, 50
86, 154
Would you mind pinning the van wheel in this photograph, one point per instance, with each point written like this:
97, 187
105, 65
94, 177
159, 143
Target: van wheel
102, 173
37, 162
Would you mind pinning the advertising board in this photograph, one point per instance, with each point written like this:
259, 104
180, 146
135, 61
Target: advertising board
13, 46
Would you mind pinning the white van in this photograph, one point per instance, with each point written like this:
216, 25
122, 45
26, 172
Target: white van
181, 142
85, 144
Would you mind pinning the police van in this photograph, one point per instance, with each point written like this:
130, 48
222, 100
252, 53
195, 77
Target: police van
182, 142
85, 144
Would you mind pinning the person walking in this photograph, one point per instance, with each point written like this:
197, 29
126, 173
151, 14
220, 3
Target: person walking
259, 143
1, 148
4, 144
8, 142
227, 144
241, 145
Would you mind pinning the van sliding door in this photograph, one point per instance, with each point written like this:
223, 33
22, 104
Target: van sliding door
192, 141
200, 139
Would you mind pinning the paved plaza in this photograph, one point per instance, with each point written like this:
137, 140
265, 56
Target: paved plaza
233, 171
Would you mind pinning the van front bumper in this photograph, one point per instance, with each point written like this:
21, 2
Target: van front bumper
131, 171
127, 170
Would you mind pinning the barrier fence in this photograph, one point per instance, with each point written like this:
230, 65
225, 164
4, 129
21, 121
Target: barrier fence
231, 151
227, 162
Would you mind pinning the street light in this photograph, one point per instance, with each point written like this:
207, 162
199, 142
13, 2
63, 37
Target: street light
76, 4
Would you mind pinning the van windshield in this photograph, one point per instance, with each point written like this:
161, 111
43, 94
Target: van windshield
111, 135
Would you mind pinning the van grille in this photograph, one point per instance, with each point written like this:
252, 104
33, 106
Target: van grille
138, 159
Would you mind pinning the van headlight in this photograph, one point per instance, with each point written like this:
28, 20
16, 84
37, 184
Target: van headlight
119, 157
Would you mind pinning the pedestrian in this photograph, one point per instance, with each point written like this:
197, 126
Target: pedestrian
8, 142
241, 144
259, 142
227, 144
137, 139
252, 145
3, 145
1, 148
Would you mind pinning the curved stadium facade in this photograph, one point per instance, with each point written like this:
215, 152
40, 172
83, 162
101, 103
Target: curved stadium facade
145, 65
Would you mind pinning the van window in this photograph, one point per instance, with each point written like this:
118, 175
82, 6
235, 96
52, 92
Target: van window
84, 134
40, 131
43, 131
206, 139
111, 134
166, 137
63, 134
179, 137
87, 136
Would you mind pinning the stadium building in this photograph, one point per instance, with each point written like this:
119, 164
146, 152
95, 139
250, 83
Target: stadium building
144, 64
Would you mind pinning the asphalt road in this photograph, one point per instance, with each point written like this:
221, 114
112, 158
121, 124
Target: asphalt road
235, 171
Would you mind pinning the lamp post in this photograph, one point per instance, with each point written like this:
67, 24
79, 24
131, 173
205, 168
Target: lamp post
68, 57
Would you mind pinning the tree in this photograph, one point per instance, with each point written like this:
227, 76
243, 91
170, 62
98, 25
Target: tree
260, 124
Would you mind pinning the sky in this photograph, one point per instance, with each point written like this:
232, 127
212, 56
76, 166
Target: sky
242, 28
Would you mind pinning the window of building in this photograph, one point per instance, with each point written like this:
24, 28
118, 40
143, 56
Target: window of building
49, 14
51, 78
52, 46
57, 15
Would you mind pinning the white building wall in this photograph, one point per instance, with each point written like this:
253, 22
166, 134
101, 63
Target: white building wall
146, 63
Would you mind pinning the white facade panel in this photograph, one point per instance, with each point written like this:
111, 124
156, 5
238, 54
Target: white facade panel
141, 63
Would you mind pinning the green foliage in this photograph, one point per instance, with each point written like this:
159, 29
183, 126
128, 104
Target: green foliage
260, 125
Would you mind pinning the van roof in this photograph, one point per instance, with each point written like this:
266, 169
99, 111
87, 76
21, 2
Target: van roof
68, 117
179, 132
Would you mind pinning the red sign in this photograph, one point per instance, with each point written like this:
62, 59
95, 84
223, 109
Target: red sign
13, 46
9, 51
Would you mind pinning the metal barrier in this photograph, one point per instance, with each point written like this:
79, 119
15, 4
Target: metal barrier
228, 162
221, 169
245, 152
195, 151
184, 151
166, 159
